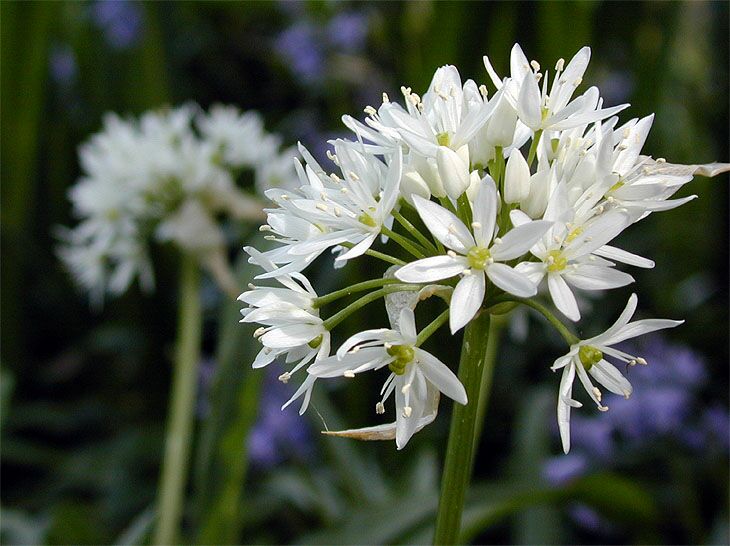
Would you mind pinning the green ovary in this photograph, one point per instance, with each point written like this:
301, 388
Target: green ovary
558, 262
443, 139
316, 342
478, 257
366, 219
589, 356
403, 354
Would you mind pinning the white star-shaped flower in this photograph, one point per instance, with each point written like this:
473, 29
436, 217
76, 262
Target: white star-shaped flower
474, 253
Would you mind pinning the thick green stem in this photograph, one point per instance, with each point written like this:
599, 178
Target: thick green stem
496, 325
459, 451
182, 405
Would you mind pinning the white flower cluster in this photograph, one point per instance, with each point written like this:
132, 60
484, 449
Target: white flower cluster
516, 192
167, 175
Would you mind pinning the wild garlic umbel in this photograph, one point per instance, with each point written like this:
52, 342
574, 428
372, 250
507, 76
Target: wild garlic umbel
170, 176
496, 200
173, 175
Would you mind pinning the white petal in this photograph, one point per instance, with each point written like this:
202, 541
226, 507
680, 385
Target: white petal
407, 325
466, 300
511, 281
378, 334
639, 328
359, 249
597, 233
535, 271
563, 297
444, 225
528, 102
608, 376
519, 240
565, 392
432, 269
441, 376
619, 255
597, 277
453, 170
485, 211
334, 367
290, 335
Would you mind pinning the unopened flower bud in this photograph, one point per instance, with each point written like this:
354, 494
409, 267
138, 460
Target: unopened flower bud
427, 168
516, 178
453, 170
536, 202
502, 124
412, 183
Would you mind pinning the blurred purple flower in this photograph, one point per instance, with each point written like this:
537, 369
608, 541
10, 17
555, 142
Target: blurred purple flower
564, 468
593, 435
298, 46
121, 21
62, 65
348, 31
589, 519
277, 433
716, 423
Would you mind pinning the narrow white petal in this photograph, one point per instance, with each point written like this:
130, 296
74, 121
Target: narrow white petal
407, 325
519, 240
563, 297
379, 334
359, 249
485, 211
334, 367
528, 102
608, 376
444, 225
290, 335
441, 376
466, 300
597, 233
432, 269
534, 271
511, 281
639, 328
619, 255
565, 392
597, 277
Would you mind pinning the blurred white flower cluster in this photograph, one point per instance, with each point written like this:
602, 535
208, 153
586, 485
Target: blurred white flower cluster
495, 200
170, 175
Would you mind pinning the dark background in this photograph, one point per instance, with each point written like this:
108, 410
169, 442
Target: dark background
84, 392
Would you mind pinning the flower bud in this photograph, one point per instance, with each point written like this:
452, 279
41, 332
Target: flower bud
453, 170
516, 178
474, 185
412, 184
426, 167
502, 124
536, 203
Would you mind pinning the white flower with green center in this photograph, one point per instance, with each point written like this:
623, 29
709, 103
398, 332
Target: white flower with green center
586, 358
566, 258
291, 326
542, 110
474, 253
414, 372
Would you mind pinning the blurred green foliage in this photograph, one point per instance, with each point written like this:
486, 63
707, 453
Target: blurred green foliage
84, 393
